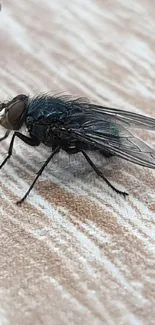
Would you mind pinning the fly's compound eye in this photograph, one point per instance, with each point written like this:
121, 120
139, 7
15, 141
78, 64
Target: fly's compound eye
12, 117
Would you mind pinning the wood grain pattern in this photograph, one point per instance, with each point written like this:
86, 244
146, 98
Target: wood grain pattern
77, 253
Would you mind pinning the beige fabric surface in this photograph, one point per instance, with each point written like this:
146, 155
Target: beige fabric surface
76, 252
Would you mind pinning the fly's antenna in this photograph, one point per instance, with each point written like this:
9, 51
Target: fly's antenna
2, 106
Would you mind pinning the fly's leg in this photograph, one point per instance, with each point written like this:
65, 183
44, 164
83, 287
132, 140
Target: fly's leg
30, 141
38, 174
5, 135
99, 173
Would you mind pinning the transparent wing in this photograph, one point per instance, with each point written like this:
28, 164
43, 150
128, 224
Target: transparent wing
124, 117
107, 129
117, 140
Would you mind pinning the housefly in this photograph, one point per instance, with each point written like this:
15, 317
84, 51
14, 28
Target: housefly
76, 126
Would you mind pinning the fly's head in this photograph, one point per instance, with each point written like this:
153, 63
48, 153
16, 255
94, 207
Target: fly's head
12, 113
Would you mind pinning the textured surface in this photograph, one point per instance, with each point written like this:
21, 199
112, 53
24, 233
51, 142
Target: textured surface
77, 253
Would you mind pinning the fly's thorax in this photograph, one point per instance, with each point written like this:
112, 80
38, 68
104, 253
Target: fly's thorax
12, 114
34, 128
